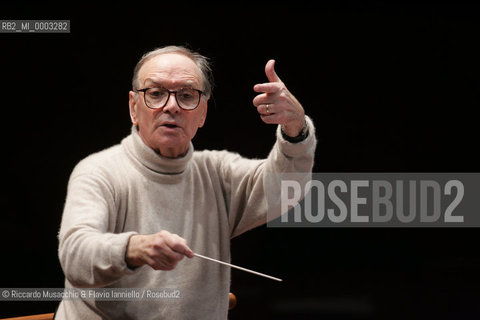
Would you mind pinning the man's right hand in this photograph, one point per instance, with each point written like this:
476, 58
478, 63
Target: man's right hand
161, 251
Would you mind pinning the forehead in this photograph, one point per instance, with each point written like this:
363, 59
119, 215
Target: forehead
170, 69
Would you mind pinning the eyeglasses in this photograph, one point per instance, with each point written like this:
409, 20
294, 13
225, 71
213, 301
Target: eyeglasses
157, 97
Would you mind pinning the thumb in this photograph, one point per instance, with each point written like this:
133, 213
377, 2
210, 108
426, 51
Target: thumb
270, 71
189, 253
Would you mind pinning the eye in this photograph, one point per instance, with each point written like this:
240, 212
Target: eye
187, 94
156, 93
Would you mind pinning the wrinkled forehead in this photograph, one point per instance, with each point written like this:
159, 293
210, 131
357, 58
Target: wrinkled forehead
170, 70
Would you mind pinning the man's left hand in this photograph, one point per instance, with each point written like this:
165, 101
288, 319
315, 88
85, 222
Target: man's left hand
276, 105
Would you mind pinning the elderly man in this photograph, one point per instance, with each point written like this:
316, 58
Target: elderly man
135, 210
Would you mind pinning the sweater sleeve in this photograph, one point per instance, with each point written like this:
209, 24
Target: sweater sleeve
90, 254
252, 182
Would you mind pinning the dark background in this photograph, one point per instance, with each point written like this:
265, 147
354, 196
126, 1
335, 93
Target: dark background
391, 87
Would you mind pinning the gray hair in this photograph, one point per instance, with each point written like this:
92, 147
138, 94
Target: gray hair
202, 63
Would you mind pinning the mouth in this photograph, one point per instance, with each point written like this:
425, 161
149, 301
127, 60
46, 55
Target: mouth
169, 125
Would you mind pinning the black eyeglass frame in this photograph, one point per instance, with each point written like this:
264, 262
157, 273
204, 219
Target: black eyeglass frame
201, 93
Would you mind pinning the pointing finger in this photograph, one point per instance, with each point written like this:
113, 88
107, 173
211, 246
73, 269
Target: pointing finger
268, 87
270, 71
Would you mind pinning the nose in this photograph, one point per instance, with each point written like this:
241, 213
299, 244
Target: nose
172, 105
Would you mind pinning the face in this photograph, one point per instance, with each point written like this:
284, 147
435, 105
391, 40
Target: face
170, 129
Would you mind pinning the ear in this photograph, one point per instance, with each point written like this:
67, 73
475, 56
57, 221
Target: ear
204, 114
132, 104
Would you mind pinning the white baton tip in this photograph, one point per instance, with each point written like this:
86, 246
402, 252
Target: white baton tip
239, 268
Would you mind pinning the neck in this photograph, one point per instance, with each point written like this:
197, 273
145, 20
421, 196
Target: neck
171, 153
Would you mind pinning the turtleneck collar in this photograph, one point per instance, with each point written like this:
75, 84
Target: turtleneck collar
144, 155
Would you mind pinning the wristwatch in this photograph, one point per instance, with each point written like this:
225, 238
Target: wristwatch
300, 137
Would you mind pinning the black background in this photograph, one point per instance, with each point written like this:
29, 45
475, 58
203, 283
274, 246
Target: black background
391, 87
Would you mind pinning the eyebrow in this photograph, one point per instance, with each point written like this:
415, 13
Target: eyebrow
186, 84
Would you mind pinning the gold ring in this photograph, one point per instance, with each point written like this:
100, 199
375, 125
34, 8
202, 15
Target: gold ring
267, 105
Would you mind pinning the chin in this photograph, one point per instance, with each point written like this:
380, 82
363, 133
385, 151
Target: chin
168, 143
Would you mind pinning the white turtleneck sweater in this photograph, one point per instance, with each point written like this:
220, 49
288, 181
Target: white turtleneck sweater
206, 197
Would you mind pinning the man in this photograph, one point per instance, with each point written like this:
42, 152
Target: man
135, 210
